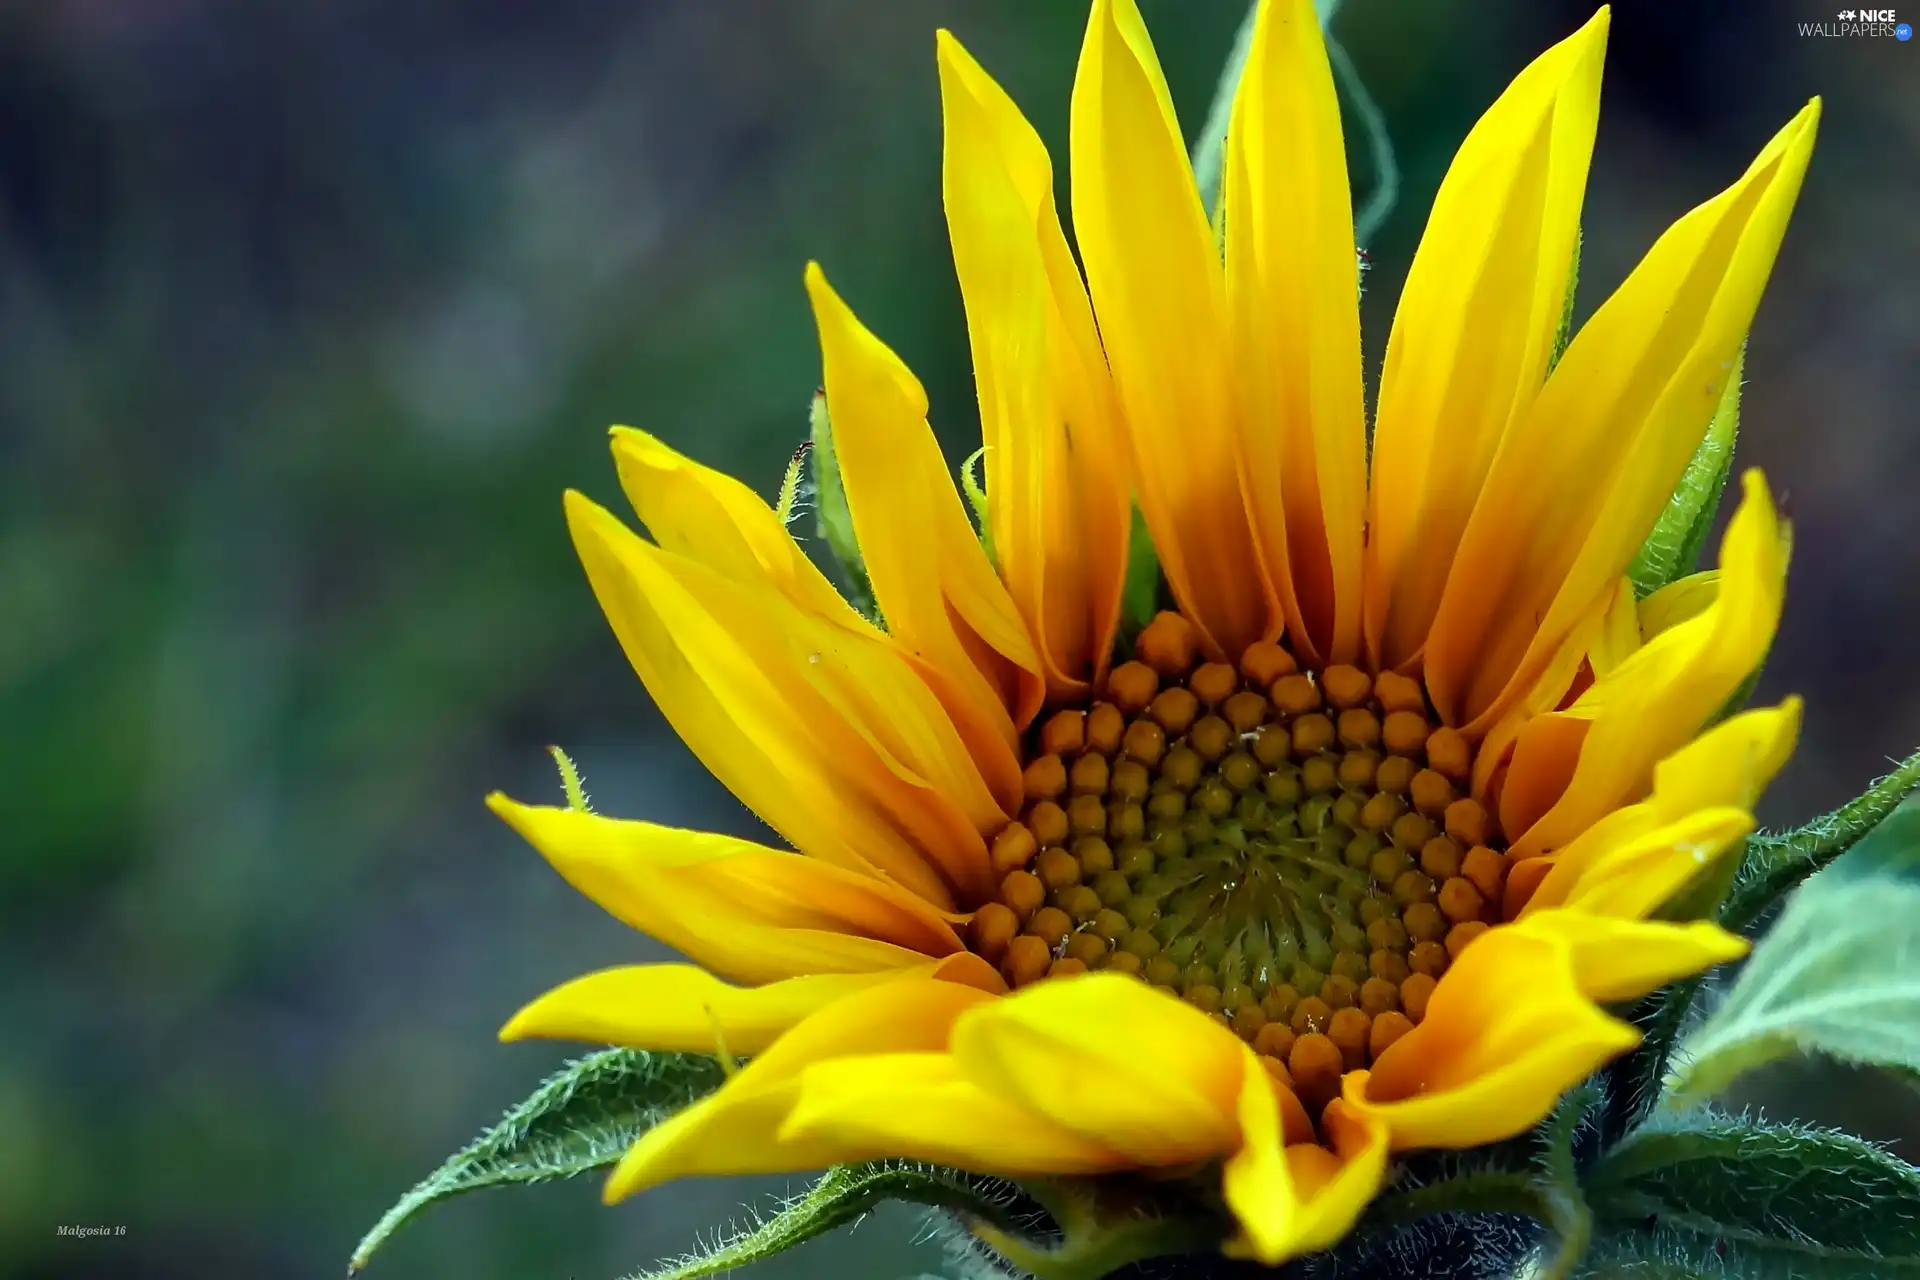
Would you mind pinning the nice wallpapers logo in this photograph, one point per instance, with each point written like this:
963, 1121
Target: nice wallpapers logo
1873, 23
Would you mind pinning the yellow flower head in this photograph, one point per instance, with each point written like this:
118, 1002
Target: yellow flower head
1346, 860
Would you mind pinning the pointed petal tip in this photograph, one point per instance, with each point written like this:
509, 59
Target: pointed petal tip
816, 282
618, 1186
579, 507
521, 1025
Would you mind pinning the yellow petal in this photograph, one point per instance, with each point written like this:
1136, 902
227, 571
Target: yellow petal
931, 579
1475, 328
1679, 600
1729, 764
1657, 699
1057, 487
707, 515
1113, 1060
736, 1129
1619, 634
1335, 1194
738, 908
1293, 298
1586, 470
1549, 692
1256, 1182
1616, 960
1289, 1194
681, 1008
924, 1106
1158, 291
1506, 1032
1635, 879
825, 732
1545, 755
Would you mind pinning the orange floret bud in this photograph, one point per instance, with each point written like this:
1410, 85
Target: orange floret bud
1064, 733
1044, 778
1213, 681
1131, 686
1264, 662
1167, 644
1449, 755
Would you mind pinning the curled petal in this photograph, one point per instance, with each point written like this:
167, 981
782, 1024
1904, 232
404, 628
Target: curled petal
1506, 1032
1113, 1060
1616, 960
738, 1127
1657, 699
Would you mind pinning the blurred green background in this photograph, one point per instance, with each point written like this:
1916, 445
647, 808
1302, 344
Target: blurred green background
307, 315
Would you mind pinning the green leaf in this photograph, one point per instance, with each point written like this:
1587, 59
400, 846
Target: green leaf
1776, 863
1140, 592
1819, 1193
842, 1195
581, 1118
1672, 550
831, 515
1831, 976
1663, 1253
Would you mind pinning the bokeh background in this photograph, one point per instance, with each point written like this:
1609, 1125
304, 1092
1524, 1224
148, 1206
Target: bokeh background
309, 312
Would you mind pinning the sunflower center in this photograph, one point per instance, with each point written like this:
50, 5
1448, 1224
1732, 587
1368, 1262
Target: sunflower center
1291, 852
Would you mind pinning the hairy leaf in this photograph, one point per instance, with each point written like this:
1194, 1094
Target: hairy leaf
581, 1118
1774, 864
1639, 1252
1836, 974
1825, 1195
1672, 550
842, 1195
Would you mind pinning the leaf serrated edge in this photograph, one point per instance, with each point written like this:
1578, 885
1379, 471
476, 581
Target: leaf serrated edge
1672, 548
466, 1170
841, 1195
1654, 1146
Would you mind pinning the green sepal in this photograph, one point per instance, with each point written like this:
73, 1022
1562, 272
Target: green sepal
1774, 864
976, 491
1829, 977
832, 517
1824, 1196
1535, 1175
1141, 592
572, 785
1096, 1226
1564, 334
844, 1194
581, 1118
1672, 550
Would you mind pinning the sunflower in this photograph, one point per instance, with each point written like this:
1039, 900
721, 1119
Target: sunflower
1348, 856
